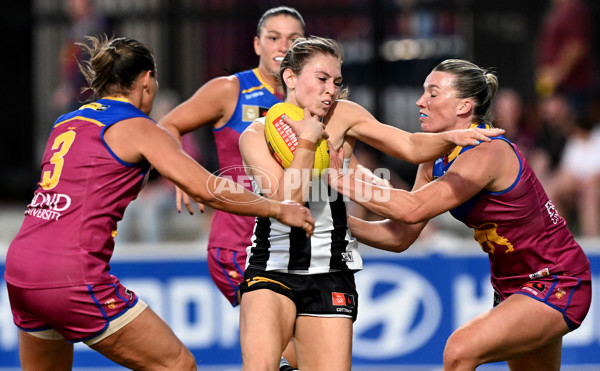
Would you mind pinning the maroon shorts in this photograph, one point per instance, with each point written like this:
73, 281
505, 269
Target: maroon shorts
570, 295
226, 268
78, 313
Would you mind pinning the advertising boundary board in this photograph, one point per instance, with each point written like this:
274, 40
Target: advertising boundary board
408, 306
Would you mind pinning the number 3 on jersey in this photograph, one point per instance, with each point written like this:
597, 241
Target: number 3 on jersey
62, 143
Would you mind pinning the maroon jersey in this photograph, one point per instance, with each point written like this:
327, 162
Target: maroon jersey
254, 100
519, 228
67, 236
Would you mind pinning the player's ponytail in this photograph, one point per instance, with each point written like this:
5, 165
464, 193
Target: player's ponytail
114, 64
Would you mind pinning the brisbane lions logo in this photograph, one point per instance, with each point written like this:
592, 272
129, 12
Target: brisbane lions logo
488, 238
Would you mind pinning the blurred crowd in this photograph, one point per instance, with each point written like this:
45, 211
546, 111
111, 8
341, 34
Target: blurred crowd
557, 128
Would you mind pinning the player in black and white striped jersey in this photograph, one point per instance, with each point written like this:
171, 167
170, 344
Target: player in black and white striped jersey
304, 287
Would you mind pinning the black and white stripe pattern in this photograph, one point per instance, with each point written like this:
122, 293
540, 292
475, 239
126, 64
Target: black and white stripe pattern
278, 247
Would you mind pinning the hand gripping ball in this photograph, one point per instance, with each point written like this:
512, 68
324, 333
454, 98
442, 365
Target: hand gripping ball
282, 140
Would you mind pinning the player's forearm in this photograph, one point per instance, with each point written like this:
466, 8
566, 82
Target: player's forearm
388, 202
295, 181
381, 234
227, 195
425, 147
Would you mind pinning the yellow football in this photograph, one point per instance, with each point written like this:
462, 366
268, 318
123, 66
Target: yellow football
282, 140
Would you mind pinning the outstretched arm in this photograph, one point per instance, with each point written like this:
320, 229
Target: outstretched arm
412, 147
139, 138
488, 165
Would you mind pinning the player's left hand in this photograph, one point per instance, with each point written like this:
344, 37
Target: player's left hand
181, 196
309, 127
472, 137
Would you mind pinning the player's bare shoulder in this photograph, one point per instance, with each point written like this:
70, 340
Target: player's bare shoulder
216, 100
254, 134
226, 87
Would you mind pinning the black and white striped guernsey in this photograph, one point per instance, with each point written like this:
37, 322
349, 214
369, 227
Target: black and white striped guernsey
278, 247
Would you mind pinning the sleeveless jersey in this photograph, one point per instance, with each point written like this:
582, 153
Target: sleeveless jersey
254, 100
278, 247
67, 236
519, 228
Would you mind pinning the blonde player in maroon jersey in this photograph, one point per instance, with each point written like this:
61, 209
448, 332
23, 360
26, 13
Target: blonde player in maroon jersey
540, 275
97, 157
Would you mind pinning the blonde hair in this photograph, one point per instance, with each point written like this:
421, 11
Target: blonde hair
472, 81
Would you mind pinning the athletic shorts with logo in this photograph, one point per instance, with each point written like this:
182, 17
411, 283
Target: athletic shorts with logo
78, 313
570, 295
322, 295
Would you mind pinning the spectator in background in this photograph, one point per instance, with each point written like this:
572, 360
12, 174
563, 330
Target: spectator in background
575, 187
564, 81
555, 119
510, 116
564, 55
85, 21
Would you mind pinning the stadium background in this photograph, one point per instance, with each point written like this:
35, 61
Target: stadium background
390, 47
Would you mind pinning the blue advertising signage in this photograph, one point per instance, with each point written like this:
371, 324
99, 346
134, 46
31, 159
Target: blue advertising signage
408, 306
